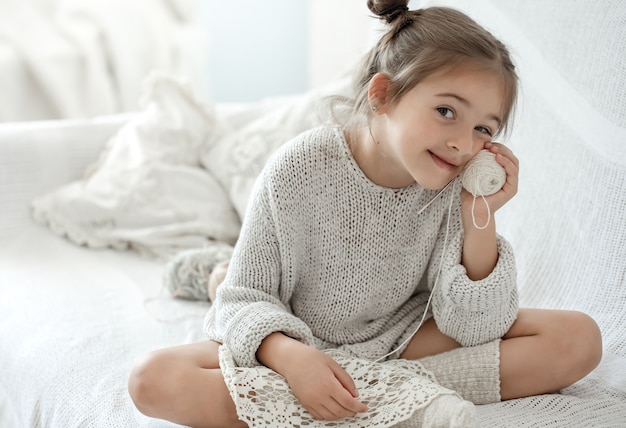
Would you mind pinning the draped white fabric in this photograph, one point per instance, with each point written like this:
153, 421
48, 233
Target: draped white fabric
568, 222
74, 58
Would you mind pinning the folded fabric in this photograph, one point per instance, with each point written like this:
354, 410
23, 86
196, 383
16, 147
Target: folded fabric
148, 190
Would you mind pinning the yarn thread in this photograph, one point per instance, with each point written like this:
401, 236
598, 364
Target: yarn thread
445, 243
483, 176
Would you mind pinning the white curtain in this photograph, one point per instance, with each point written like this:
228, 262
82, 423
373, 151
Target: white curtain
80, 58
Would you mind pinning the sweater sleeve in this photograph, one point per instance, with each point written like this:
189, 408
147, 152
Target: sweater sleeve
250, 303
471, 312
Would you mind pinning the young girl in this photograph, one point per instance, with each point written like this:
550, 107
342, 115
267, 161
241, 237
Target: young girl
356, 235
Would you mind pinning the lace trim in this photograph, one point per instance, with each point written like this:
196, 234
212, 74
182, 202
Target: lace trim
394, 391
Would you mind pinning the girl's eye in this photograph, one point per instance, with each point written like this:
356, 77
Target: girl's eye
484, 130
446, 112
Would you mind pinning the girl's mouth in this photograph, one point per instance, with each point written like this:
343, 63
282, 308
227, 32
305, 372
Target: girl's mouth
442, 163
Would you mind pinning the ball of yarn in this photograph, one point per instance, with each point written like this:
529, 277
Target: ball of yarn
187, 275
483, 175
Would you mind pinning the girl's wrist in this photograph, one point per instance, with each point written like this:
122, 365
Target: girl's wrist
480, 226
480, 251
276, 350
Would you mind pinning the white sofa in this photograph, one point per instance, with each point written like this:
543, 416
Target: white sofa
73, 318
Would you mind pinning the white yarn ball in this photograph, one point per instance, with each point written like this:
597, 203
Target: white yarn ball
483, 175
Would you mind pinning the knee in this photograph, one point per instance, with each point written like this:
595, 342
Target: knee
580, 343
144, 382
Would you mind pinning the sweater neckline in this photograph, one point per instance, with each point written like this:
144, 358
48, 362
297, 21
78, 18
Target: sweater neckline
364, 179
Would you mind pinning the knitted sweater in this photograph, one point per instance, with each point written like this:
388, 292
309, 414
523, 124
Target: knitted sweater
334, 260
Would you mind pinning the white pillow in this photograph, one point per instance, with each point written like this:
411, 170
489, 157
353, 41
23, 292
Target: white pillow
238, 157
148, 191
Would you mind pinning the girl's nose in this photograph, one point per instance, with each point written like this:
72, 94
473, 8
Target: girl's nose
462, 143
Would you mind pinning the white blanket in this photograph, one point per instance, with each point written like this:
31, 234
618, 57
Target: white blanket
72, 322
72, 319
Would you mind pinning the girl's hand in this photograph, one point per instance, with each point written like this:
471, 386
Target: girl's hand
321, 385
480, 248
506, 158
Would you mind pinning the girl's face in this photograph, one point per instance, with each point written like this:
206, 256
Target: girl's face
436, 127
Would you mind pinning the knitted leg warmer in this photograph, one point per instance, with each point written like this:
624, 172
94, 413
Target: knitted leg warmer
189, 274
473, 372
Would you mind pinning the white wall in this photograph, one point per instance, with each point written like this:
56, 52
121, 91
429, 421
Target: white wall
340, 33
279, 47
257, 48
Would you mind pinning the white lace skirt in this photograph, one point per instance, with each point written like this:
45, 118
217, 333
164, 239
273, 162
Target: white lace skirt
398, 393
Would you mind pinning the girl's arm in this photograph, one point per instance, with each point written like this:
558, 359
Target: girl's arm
480, 251
475, 299
323, 387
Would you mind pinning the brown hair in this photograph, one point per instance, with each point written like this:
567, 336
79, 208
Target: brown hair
419, 43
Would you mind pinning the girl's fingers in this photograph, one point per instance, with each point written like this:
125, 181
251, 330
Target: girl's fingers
337, 411
344, 378
498, 148
346, 395
348, 403
510, 163
510, 168
330, 410
315, 413
334, 401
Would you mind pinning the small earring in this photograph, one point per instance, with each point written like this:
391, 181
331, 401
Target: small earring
374, 109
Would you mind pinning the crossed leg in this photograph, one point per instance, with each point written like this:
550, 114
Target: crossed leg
543, 352
184, 385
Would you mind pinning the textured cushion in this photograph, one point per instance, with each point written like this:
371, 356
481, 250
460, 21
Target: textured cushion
238, 157
148, 191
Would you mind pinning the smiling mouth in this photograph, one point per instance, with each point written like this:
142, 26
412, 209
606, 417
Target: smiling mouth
442, 162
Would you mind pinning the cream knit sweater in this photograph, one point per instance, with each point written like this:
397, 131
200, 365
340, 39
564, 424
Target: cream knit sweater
330, 258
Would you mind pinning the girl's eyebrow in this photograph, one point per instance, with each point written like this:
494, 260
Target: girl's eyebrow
468, 104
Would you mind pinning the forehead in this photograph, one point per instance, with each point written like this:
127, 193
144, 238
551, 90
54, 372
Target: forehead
483, 88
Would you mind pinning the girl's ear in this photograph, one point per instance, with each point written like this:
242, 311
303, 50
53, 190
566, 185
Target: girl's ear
377, 93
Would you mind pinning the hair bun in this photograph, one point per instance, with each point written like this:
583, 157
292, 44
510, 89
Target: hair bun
388, 10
